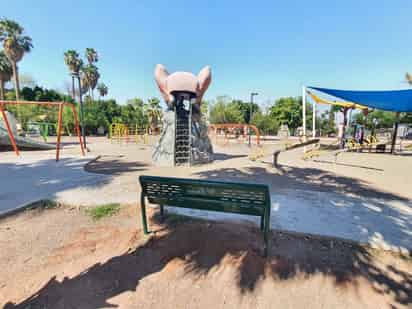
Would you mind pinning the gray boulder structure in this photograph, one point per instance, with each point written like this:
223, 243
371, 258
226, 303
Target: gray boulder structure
184, 139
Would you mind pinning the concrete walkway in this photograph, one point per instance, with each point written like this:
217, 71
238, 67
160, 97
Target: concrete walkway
34, 176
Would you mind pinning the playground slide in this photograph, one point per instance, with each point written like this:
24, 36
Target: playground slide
22, 142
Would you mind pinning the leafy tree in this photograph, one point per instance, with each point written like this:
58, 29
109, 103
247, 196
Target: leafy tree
326, 122
15, 46
245, 108
383, 119
94, 117
96, 113
139, 116
265, 123
225, 112
406, 118
6, 72
288, 111
111, 110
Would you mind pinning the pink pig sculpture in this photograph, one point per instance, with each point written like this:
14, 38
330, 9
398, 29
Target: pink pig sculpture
170, 84
183, 139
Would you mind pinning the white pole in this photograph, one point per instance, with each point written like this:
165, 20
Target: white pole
314, 119
304, 112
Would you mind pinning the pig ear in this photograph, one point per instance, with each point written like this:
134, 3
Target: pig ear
204, 78
161, 75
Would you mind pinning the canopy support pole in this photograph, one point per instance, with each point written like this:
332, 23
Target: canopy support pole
59, 131
314, 119
304, 115
395, 133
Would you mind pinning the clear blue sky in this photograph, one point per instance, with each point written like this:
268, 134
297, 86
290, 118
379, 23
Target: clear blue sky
272, 47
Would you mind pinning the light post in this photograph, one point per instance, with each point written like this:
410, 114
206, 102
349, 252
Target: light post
375, 123
81, 110
250, 113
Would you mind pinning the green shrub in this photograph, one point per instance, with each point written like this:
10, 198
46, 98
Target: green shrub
103, 211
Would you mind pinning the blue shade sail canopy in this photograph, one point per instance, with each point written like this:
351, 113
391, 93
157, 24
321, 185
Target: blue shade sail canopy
392, 100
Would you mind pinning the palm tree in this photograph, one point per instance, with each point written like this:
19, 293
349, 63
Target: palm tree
90, 77
102, 89
84, 83
154, 113
408, 78
6, 72
91, 55
72, 60
15, 46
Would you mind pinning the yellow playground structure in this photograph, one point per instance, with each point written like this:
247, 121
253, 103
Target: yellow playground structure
351, 144
122, 133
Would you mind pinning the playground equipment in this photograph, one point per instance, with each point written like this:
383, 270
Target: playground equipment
393, 100
22, 141
41, 129
184, 139
234, 131
119, 132
293, 146
16, 141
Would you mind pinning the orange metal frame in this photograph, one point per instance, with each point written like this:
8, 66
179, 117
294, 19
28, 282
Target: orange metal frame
229, 126
60, 105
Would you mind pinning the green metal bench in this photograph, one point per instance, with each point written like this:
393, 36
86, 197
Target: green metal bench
229, 197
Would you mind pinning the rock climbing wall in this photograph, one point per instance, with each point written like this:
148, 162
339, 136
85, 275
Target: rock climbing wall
201, 146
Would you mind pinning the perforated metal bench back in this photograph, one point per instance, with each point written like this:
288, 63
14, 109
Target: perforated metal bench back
241, 198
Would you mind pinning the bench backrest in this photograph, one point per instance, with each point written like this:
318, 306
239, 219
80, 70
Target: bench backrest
241, 198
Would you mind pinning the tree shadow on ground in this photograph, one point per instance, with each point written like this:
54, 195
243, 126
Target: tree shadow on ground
202, 247
349, 165
114, 165
305, 178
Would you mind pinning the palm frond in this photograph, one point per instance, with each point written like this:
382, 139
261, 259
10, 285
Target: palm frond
408, 78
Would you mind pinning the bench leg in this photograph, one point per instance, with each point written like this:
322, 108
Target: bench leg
262, 223
144, 218
162, 213
266, 233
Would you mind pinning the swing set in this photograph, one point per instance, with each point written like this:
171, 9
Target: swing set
60, 106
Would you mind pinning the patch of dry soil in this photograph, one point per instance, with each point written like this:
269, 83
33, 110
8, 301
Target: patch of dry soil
60, 258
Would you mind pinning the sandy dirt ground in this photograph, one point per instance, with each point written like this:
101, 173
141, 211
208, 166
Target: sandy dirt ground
61, 258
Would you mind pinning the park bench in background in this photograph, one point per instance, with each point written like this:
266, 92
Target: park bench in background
229, 197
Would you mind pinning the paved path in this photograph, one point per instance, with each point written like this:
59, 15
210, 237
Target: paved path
34, 176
